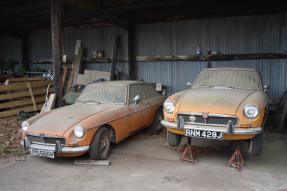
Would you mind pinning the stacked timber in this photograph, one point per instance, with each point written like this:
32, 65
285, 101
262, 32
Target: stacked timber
25, 94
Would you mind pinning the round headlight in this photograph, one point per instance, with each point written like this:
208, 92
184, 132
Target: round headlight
25, 125
251, 111
79, 131
168, 106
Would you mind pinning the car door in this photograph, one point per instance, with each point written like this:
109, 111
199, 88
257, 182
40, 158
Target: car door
138, 116
153, 99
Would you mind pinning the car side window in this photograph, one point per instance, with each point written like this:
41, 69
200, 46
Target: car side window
149, 91
136, 90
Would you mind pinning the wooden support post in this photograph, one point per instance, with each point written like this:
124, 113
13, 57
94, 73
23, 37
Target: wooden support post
57, 48
32, 96
64, 76
115, 57
131, 52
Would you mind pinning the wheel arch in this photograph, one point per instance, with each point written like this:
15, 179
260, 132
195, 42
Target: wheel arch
112, 132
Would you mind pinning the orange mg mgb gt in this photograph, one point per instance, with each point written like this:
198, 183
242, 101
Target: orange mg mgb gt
105, 112
224, 104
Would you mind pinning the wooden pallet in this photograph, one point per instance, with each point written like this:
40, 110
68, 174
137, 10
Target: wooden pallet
28, 79
23, 96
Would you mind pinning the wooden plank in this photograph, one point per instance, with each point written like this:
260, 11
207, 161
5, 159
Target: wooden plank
77, 63
75, 69
64, 76
94, 75
77, 46
90, 76
22, 85
24, 94
82, 79
115, 57
16, 111
15, 80
21, 102
50, 104
32, 96
93, 162
218, 57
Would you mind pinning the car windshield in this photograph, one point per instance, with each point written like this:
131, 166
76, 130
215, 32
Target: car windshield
228, 79
103, 93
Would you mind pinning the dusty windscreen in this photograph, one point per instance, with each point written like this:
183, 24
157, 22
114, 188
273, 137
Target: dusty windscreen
228, 78
103, 94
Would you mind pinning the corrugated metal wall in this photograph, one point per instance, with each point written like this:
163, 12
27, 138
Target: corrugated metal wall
249, 34
92, 40
10, 48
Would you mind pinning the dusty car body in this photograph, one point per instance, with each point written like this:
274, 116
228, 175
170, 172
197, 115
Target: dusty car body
105, 112
223, 103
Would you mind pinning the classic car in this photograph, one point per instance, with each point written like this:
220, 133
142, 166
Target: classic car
223, 104
105, 112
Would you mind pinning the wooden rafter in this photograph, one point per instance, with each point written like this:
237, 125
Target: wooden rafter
102, 13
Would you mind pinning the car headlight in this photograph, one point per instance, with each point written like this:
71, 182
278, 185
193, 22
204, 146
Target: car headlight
251, 111
79, 131
25, 125
168, 106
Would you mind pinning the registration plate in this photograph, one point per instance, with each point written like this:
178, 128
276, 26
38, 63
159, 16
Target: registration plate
41, 153
204, 134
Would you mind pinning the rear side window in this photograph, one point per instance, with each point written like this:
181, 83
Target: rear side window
149, 91
136, 90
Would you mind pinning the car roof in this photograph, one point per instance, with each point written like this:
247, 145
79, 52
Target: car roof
120, 83
231, 68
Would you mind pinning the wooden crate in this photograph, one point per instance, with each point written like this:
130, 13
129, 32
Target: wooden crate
23, 96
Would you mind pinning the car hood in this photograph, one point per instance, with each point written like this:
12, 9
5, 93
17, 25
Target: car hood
59, 120
211, 100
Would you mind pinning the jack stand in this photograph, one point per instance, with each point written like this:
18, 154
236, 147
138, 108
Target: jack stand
189, 152
237, 160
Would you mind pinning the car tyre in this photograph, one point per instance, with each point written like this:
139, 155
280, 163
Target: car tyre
173, 139
101, 145
156, 127
256, 145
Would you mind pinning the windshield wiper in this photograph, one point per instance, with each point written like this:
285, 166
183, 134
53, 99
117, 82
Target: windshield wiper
89, 102
222, 87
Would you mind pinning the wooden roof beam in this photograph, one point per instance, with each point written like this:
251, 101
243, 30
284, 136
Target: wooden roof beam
102, 13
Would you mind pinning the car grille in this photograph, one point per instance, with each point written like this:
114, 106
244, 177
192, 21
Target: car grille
46, 140
210, 120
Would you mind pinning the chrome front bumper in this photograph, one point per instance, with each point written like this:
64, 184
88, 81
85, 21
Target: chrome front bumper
55, 148
236, 130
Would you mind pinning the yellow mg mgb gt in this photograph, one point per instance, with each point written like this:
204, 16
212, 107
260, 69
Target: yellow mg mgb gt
222, 104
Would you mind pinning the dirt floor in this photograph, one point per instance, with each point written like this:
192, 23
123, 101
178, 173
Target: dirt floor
144, 163
10, 137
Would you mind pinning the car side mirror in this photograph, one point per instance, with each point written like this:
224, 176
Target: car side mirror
136, 99
266, 87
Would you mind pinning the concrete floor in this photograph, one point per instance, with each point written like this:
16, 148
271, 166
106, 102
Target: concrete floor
144, 163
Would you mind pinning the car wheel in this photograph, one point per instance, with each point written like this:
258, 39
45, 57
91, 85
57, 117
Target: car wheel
101, 145
173, 139
256, 145
156, 127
